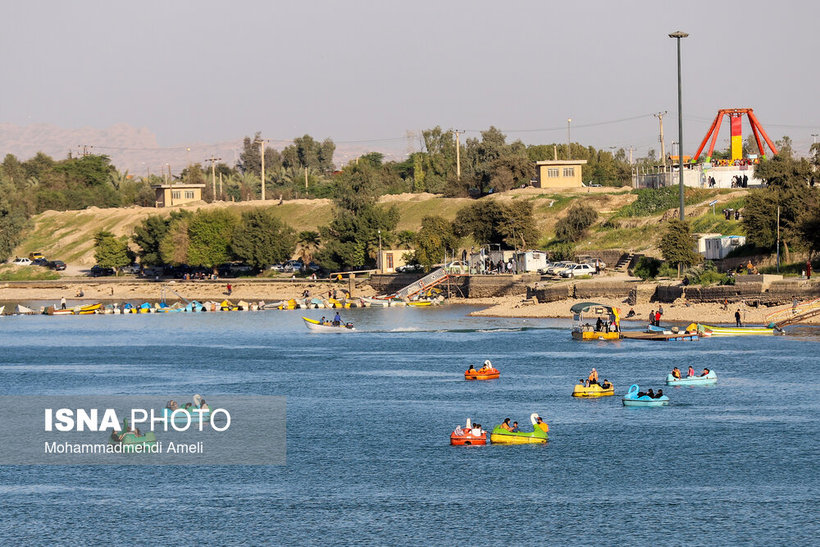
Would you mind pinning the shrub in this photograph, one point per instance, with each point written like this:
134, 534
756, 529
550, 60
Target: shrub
647, 268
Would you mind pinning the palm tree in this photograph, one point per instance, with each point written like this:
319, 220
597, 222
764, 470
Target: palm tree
309, 242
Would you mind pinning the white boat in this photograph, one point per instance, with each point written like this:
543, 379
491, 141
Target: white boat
318, 326
708, 380
23, 310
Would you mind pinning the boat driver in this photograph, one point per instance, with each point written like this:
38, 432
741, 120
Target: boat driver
337, 320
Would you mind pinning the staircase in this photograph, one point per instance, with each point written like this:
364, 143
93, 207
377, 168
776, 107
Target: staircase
623, 262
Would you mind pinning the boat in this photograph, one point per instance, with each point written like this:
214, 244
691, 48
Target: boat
462, 436
54, 310
594, 390
486, 372
607, 322
709, 380
227, 305
419, 303
2, 309
709, 330
631, 398
318, 326
130, 441
23, 310
500, 435
89, 309
181, 415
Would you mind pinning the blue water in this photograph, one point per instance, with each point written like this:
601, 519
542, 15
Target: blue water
369, 415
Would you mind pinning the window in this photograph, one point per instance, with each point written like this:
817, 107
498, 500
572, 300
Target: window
569, 171
176, 194
552, 172
189, 194
389, 257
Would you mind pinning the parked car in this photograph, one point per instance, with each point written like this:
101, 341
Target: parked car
35, 255
39, 262
293, 266
578, 269
556, 267
131, 269
277, 267
21, 261
101, 271
57, 265
410, 268
543, 270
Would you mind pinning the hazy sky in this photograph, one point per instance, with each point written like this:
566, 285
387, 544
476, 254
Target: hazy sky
361, 70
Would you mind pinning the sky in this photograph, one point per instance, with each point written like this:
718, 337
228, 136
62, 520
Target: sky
369, 71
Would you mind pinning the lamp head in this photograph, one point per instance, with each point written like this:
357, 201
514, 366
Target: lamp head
679, 34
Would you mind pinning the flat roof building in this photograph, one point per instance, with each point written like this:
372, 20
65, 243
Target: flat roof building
168, 195
559, 173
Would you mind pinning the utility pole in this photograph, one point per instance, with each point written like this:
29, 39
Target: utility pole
306, 178
660, 116
262, 154
631, 148
458, 154
778, 239
213, 173
569, 139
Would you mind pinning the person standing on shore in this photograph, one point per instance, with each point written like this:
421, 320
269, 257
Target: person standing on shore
651, 317
62, 303
737, 318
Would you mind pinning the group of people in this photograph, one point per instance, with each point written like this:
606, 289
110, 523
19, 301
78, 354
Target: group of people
337, 321
201, 405
484, 367
689, 374
593, 379
469, 429
651, 394
655, 316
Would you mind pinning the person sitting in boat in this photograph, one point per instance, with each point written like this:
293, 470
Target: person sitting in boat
187, 406
606, 384
471, 369
593, 377
676, 373
704, 373
203, 405
650, 393
506, 424
476, 431
337, 320
540, 423
640, 394
514, 428
659, 394
690, 372
323, 321
172, 405
599, 325
487, 365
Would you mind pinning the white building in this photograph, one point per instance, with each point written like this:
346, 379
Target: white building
716, 248
530, 261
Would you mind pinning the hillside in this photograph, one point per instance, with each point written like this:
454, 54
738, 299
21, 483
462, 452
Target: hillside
69, 235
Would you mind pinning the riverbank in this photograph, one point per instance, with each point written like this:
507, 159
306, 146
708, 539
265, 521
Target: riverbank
512, 306
121, 290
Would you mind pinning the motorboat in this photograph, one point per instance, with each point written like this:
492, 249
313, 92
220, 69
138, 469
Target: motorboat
318, 326
632, 399
605, 326
731, 331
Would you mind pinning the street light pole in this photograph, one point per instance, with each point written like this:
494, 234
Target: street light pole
569, 139
677, 35
381, 268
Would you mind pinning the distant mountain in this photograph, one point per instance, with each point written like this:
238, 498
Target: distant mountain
135, 149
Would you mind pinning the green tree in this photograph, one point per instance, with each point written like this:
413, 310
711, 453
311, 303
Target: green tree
150, 233
677, 244
209, 237
489, 221
111, 251
308, 242
261, 239
573, 227
787, 187
435, 239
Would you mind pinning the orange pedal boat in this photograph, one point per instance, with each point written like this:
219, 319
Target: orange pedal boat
487, 372
464, 436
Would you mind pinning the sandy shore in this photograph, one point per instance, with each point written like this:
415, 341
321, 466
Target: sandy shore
512, 306
112, 290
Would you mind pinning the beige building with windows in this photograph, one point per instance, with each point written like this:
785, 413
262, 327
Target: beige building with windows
390, 259
558, 173
169, 195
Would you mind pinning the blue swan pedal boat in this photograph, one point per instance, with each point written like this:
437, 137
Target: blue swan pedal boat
631, 398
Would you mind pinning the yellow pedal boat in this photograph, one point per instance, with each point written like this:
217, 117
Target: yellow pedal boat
593, 390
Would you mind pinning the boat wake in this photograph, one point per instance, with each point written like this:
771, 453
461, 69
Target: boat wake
464, 330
